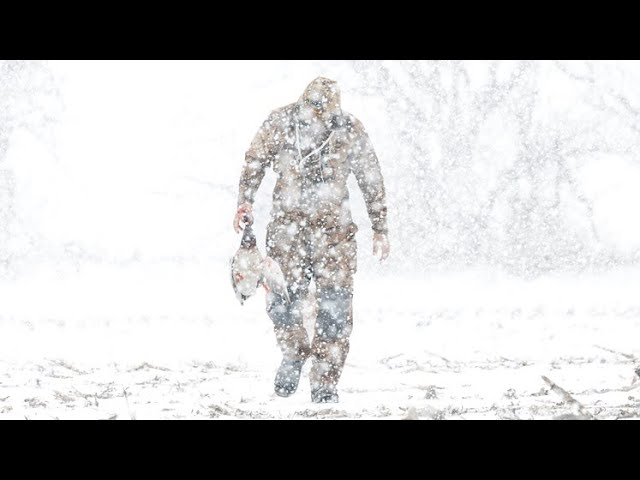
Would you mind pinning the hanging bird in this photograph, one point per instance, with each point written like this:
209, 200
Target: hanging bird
249, 270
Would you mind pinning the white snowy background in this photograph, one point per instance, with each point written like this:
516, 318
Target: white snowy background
513, 189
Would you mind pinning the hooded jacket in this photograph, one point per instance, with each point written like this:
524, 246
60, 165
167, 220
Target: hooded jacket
313, 146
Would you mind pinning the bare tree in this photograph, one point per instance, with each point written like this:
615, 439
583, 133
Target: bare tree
474, 204
28, 101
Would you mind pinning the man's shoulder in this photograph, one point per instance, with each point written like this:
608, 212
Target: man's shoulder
282, 113
352, 123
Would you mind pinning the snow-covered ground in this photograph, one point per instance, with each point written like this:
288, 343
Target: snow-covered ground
449, 346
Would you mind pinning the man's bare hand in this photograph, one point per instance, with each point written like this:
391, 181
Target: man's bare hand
244, 215
381, 246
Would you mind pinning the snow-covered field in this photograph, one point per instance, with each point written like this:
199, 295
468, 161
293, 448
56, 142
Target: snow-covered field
465, 346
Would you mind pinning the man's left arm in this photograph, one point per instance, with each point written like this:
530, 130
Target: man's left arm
366, 168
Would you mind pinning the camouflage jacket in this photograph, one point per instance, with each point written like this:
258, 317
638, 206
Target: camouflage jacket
313, 155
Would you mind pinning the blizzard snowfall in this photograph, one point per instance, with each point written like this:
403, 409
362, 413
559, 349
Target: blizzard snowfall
115, 298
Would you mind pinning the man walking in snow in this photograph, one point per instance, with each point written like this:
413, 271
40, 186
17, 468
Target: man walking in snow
313, 146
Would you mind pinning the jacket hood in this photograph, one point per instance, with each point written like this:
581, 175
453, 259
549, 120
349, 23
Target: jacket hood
323, 96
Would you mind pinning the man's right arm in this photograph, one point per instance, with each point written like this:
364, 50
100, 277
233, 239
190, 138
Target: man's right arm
257, 159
